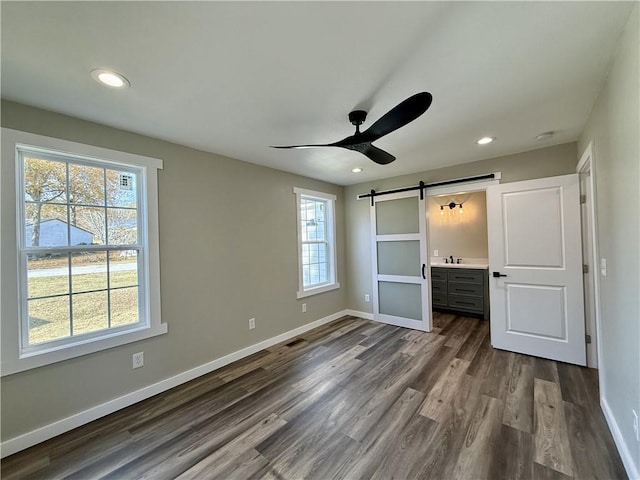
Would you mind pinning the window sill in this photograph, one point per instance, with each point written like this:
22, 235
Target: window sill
317, 290
65, 352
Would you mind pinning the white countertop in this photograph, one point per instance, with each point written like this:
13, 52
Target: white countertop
478, 266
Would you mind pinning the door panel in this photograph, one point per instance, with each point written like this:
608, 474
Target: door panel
535, 244
399, 258
522, 223
396, 216
537, 311
400, 300
399, 261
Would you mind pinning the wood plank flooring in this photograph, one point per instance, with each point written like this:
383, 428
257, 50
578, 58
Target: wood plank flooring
349, 400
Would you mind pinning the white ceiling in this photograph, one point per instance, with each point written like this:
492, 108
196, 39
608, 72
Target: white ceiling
235, 77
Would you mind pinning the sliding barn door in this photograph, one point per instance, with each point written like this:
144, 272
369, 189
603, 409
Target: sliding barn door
399, 260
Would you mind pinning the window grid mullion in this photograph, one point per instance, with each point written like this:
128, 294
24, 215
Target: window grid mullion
80, 248
59, 295
108, 290
67, 204
104, 205
68, 222
89, 205
70, 295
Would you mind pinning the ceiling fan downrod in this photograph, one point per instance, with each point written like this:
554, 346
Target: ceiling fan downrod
357, 118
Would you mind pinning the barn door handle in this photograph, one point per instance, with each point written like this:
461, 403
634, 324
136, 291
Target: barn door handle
498, 274
423, 275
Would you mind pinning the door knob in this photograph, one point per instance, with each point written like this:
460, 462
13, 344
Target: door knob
498, 274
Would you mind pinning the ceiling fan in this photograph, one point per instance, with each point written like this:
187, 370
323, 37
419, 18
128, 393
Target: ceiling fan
397, 117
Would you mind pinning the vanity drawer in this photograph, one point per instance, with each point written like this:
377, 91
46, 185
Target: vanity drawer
439, 274
466, 288
464, 302
466, 275
439, 299
438, 286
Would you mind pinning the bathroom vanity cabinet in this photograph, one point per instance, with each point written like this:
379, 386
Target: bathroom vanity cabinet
463, 290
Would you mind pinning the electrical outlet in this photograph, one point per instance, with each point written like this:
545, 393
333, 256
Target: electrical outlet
635, 425
138, 360
304, 308
252, 323
367, 298
435, 253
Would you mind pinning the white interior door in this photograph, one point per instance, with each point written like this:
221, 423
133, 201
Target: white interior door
399, 260
535, 246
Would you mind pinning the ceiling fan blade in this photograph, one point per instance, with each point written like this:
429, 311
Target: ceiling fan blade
403, 113
374, 153
303, 146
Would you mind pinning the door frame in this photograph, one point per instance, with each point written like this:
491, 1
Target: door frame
586, 164
427, 316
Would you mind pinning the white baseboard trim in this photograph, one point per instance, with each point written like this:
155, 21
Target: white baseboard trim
26, 440
355, 313
633, 470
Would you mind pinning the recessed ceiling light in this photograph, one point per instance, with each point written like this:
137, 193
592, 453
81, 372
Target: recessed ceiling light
109, 78
544, 136
485, 140
356, 170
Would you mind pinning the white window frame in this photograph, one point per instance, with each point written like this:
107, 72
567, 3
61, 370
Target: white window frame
16, 356
330, 201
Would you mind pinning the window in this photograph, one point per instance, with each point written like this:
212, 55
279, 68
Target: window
316, 242
87, 252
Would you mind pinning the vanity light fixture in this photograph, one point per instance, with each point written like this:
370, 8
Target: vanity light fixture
451, 206
485, 140
109, 78
356, 170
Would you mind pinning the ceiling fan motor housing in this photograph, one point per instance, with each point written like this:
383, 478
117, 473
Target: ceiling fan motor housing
357, 117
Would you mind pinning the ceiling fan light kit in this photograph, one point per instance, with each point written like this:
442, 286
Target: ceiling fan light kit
399, 116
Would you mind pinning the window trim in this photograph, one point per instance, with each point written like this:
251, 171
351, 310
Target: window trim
333, 283
15, 357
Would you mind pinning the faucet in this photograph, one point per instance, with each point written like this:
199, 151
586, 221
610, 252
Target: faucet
451, 257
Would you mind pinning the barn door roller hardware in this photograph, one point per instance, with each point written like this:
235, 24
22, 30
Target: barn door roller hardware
423, 186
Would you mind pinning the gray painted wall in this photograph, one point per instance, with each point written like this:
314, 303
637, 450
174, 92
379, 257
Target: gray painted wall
613, 128
544, 162
211, 283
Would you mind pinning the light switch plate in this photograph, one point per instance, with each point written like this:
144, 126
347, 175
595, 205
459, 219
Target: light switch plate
603, 267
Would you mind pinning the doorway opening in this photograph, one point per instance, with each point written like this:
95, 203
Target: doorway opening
458, 253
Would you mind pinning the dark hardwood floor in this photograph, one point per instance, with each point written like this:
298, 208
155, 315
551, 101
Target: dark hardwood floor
353, 399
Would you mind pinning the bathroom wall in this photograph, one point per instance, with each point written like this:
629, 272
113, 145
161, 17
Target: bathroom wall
462, 235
